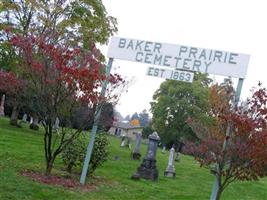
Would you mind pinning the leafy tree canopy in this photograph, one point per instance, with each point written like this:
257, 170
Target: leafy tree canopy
174, 102
77, 21
69, 23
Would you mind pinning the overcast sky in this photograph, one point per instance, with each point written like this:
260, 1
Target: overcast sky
229, 25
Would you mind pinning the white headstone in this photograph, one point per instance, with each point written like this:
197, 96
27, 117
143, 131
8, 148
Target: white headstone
56, 125
170, 162
24, 118
170, 170
163, 149
2, 108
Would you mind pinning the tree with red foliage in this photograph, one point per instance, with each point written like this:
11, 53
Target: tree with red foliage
72, 22
58, 79
233, 145
13, 87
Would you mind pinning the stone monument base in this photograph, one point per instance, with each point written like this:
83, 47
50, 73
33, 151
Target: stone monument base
147, 170
136, 156
34, 127
170, 172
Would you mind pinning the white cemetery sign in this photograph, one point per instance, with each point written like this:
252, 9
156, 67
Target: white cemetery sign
179, 57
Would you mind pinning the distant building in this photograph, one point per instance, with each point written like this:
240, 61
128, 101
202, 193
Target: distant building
126, 129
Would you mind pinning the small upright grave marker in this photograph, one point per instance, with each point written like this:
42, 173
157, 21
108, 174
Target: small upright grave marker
163, 149
24, 118
2, 108
170, 170
123, 139
136, 153
56, 125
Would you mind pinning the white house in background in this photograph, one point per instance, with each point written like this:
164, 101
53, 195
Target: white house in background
125, 128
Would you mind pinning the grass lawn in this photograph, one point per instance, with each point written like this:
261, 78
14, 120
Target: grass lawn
22, 148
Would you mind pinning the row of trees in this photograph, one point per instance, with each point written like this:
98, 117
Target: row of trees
50, 65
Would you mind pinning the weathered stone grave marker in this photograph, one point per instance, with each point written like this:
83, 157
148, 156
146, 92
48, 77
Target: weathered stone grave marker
170, 170
148, 168
2, 108
136, 155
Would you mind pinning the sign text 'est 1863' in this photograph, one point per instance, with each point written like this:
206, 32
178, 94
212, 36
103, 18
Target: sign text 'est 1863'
178, 75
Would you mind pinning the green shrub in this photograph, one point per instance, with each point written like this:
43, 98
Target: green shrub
100, 152
73, 155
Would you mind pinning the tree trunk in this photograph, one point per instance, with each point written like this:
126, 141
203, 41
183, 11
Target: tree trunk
14, 116
218, 195
216, 189
48, 151
49, 166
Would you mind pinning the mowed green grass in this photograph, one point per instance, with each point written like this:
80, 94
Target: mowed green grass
22, 148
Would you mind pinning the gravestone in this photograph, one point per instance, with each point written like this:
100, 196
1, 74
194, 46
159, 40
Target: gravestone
31, 120
136, 155
170, 170
163, 149
177, 157
24, 118
56, 125
2, 108
148, 169
34, 125
123, 140
116, 157
129, 145
180, 146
